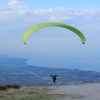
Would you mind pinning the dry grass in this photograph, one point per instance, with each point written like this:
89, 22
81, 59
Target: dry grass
33, 93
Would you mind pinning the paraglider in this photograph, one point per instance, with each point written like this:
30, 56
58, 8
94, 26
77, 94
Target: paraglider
54, 77
47, 24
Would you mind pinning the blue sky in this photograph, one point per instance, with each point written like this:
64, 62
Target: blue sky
52, 46
78, 4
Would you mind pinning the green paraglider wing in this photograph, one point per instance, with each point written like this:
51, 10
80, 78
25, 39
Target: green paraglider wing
47, 24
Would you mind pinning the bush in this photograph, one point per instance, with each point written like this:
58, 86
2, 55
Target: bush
8, 86
2, 87
16, 86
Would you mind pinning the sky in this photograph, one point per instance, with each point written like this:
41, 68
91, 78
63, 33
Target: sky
52, 46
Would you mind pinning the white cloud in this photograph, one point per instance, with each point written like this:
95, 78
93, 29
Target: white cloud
53, 14
88, 19
16, 2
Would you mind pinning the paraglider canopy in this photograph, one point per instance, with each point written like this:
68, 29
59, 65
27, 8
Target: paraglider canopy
47, 24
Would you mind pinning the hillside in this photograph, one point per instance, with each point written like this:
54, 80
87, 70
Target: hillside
17, 71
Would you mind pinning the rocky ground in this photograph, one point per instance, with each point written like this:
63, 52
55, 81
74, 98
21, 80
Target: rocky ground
89, 91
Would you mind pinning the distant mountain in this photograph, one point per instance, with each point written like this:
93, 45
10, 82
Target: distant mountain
17, 71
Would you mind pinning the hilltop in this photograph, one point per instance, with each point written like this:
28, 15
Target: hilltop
86, 91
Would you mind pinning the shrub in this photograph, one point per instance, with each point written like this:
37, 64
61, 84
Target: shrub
8, 86
2, 87
16, 86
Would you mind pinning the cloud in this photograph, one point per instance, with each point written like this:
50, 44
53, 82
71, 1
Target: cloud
55, 14
87, 20
16, 2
